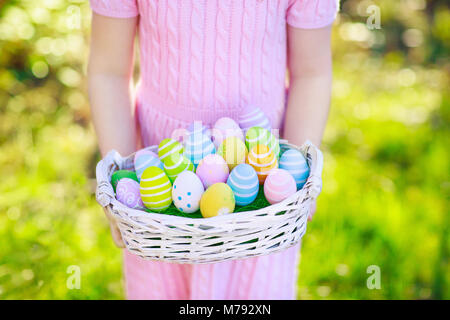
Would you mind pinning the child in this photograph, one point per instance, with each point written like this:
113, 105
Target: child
202, 60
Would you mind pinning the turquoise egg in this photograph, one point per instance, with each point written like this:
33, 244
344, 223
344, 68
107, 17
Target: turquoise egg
295, 163
244, 182
197, 146
144, 159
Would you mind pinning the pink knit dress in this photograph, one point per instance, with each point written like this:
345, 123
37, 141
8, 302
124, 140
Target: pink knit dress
202, 60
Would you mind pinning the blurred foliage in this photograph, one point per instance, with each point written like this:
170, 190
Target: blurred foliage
386, 176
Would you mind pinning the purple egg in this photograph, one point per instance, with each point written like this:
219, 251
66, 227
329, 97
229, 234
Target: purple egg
127, 193
253, 117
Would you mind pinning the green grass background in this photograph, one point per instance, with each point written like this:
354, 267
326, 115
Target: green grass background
386, 176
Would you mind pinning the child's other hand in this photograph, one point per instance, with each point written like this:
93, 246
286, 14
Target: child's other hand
115, 232
312, 210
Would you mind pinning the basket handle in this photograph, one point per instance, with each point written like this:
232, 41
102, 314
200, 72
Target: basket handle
104, 192
315, 159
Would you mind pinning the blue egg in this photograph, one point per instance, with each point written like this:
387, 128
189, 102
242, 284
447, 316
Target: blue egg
295, 163
197, 146
144, 159
243, 180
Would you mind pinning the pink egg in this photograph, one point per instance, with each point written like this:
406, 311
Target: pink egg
212, 169
279, 185
224, 128
252, 116
127, 193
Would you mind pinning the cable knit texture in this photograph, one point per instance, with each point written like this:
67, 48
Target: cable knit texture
202, 60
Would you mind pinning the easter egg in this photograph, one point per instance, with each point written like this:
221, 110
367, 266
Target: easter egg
169, 147
176, 164
197, 146
295, 163
224, 128
258, 135
187, 190
127, 193
253, 117
120, 174
262, 159
156, 189
234, 151
212, 169
197, 127
279, 185
244, 183
217, 200
144, 159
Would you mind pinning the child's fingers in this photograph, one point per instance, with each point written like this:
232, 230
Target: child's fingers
312, 210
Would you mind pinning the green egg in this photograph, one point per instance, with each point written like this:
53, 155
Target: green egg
168, 148
175, 165
258, 135
119, 174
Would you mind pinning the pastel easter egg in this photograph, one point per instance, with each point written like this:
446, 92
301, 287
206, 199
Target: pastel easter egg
197, 146
258, 135
176, 164
197, 127
295, 163
187, 190
217, 200
212, 169
169, 147
234, 151
155, 189
252, 116
120, 174
225, 127
263, 160
279, 185
244, 183
128, 193
144, 159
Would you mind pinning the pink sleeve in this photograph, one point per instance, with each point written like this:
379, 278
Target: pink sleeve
115, 8
310, 14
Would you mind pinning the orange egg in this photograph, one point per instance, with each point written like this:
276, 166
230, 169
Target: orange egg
263, 160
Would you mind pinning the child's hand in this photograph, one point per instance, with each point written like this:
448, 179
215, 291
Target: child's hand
115, 232
312, 210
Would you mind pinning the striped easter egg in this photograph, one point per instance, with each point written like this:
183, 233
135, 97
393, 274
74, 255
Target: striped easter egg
198, 127
197, 146
253, 117
234, 151
295, 163
258, 135
169, 147
176, 164
128, 193
279, 185
144, 159
223, 128
156, 189
263, 160
243, 180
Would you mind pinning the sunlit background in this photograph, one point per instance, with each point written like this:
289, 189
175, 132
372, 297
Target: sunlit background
386, 178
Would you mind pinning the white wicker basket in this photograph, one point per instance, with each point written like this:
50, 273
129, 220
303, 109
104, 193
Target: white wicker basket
155, 236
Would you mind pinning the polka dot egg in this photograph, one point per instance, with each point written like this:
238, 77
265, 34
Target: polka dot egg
156, 189
224, 128
262, 159
176, 164
279, 185
187, 191
253, 117
197, 146
144, 159
127, 193
212, 169
169, 147
258, 135
295, 163
244, 183
217, 200
234, 151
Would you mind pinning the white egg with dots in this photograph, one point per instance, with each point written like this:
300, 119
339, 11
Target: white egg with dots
187, 190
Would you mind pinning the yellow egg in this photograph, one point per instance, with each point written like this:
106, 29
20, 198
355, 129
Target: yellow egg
218, 199
234, 151
263, 160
